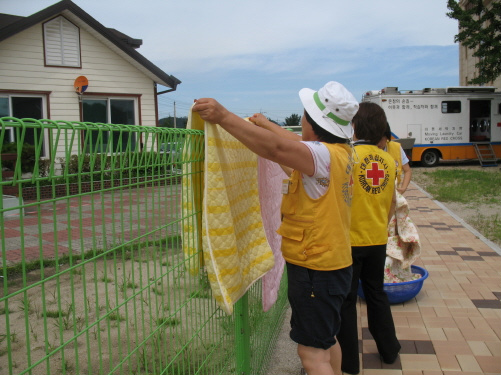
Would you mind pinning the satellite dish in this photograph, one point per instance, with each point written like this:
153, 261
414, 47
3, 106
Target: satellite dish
81, 84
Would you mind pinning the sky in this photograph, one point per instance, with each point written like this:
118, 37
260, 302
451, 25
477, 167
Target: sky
255, 56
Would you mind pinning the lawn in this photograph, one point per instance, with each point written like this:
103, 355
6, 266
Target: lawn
471, 192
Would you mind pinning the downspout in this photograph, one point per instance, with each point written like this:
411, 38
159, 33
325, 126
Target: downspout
156, 100
155, 94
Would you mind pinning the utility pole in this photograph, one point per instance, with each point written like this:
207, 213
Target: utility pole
174, 114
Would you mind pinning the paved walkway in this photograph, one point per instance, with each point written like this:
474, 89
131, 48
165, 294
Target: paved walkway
453, 326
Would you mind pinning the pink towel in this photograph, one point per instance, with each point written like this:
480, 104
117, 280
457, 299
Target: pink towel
270, 176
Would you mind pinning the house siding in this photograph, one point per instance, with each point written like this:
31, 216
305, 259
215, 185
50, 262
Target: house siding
22, 62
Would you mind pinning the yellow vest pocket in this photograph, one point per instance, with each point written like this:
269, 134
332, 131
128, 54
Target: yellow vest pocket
291, 232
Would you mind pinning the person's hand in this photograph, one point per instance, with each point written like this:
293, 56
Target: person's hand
259, 119
401, 190
210, 110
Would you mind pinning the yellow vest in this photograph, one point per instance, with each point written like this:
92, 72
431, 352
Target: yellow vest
393, 148
373, 187
316, 232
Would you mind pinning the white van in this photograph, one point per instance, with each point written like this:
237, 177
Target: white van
448, 123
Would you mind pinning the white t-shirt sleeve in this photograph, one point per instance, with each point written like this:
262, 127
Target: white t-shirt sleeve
405, 159
317, 185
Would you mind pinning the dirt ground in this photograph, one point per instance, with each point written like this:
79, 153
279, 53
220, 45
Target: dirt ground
97, 312
469, 211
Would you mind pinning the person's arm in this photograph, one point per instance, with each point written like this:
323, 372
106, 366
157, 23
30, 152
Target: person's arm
260, 120
264, 143
393, 205
407, 178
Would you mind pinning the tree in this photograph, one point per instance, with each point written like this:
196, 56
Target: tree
293, 120
168, 122
479, 30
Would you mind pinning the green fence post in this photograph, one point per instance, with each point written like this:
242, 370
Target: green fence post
242, 335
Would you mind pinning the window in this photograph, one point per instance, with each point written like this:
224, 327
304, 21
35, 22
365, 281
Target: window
62, 43
23, 106
110, 111
452, 106
4, 112
4, 106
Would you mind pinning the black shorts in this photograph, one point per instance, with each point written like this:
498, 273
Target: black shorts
316, 298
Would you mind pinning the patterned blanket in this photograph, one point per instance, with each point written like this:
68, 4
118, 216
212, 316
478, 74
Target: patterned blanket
403, 246
235, 248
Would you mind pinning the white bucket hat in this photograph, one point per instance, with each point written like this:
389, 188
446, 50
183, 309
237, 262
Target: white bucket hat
332, 108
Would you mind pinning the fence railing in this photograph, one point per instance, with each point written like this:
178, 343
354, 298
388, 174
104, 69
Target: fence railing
94, 279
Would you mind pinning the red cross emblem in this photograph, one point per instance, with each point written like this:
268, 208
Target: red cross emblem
375, 174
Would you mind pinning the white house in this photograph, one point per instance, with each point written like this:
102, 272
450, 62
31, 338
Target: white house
43, 55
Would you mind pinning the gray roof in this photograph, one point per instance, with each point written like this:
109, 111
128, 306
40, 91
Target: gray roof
114, 39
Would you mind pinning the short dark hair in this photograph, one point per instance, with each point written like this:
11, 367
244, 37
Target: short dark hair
322, 134
387, 132
370, 122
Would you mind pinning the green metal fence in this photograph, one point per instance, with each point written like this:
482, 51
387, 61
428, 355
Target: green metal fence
94, 278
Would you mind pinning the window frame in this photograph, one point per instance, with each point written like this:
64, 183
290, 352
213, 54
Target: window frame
44, 96
135, 99
453, 109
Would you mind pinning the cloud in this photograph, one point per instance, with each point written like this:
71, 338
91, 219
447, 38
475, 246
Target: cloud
205, 35
264, 86
187, 31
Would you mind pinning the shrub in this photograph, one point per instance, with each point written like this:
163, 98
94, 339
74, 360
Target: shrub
27, 158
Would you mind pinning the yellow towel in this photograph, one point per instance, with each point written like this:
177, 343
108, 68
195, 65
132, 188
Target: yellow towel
191, 193
235, 248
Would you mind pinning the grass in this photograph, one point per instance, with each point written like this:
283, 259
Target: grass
465, 186
490, 226
65, 260
167, 322
472, 189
